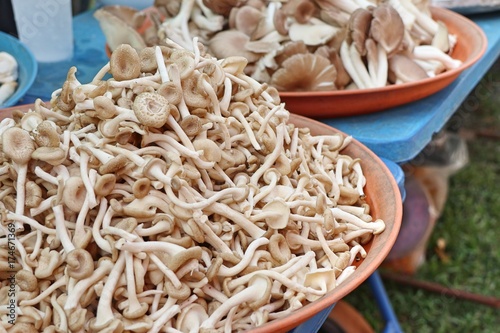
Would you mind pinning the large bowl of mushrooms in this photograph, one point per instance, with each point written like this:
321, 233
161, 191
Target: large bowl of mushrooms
181, 195
326, 58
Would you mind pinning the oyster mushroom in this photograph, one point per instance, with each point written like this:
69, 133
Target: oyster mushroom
305, 72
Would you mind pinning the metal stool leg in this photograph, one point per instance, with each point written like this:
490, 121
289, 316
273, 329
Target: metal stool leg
384, 304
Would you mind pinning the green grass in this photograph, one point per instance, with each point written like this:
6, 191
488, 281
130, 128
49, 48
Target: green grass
470, 225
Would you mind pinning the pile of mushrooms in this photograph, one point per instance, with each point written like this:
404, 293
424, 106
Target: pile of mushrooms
300, 45
8, 76
174, 196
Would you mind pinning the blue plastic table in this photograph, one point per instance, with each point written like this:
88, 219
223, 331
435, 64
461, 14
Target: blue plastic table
397, 135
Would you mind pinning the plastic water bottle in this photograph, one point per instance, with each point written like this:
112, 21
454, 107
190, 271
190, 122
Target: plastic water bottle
45, 26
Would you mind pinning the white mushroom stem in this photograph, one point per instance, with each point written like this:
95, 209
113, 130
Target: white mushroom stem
61, 229
104, 308
236, 269
423, 20
238, 218
289, 283
345, 274
252, 293
350, 66
63, 320
160, 61
332, 257
169, 313
44, 294
34, 224
84, 174
178, 26
428, 52
102, 270
96, 227
165, 270
205, 202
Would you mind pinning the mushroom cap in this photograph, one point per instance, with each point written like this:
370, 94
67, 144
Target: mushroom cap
46, 134
263, 294
359, 26
105, 107
125, 63
17, 145
79, 264
105, 184
387, 28
171, 92
323, 279
26, 280
305, 72
152, 109
222, 7
312, 34
74, 193
247, 19
34, 194
289, 49
116, 28
229, 43
279, 213
191, 318
211, 151
405, 69
51, 155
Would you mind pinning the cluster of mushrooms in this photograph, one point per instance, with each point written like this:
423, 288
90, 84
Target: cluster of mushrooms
300, 45
8, 76
175, 196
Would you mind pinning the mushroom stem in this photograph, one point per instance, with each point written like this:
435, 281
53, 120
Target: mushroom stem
103, 269
104, 308
61, 229
236, 269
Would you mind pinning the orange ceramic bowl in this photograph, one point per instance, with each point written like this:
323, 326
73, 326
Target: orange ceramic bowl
384, 198
385, 201
471, 45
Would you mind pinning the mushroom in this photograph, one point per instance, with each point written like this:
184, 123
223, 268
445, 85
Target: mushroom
18, 146
224, 207
125, 63
404, 69
319, 73
151, 109
256, 294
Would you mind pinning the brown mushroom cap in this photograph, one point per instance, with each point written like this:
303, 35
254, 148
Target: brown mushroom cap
80, 264
359, 25
104, 107
305, 72
125, 63
151, 109
46, 135
17, 145
387, 28
74, 193
51, 155
229, 43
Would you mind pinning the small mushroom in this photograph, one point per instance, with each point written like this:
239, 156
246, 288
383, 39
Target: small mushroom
125, 63
256, 294
151, 109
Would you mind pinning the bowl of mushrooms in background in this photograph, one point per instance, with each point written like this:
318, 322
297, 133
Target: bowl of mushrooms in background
326, 58
18, 69
181, 193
